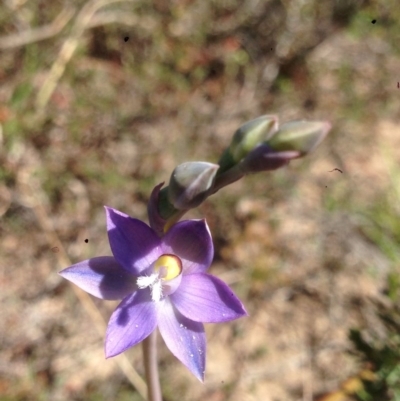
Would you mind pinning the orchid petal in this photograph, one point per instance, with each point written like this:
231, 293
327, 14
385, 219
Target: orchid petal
134, 319
191, 241
103, 277
205, 298
134, 244
184, 338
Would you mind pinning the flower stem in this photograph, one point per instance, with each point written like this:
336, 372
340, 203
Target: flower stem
149, 347
226, 178
174, 219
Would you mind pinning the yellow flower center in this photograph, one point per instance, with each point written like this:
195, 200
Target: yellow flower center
161, 282
168, 267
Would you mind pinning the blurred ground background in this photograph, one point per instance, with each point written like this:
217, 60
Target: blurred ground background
100, 100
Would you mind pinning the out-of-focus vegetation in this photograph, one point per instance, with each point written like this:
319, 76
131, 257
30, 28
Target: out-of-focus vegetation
103, 103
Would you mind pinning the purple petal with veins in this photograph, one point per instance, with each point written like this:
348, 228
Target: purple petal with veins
191, 241
134, 319
134, 244
205, 298
184, 338
102, 277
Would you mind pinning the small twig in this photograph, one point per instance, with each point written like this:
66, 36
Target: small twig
115, 17
243, 13
68, 49
37, 34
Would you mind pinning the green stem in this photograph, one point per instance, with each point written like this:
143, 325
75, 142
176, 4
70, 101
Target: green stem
174, 218
226, 178
149, 347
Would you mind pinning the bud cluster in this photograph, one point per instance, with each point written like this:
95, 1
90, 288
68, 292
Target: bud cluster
258, 145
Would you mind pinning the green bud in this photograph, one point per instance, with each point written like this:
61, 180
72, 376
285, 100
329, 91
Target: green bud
301, 136
190, 183
250, 134
246, 138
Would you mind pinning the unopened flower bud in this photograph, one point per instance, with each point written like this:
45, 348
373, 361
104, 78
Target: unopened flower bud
190, 183
264, 158
246, 138
250, 134
301, 136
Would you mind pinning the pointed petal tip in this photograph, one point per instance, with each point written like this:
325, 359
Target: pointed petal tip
184, 337
110, 211
107, 208
106, 355
202, 222
197, 372
65, 273
243, 311
102, 277
200, 377
109, 353
205, 298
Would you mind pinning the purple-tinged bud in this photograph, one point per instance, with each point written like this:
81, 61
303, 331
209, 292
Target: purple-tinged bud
246, 138
157, 222
264, 158
301, 136
190, 183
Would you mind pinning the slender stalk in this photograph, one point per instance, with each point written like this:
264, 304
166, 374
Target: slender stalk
226, 178
174, 219
149, 347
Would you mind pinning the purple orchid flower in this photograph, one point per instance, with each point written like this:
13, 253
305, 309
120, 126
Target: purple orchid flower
162, 282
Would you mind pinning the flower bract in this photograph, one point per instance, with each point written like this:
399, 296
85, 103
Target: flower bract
162, 282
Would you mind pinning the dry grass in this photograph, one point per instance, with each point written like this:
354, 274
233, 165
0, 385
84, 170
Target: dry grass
89, 119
